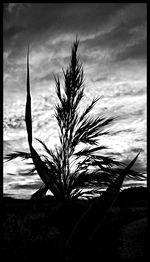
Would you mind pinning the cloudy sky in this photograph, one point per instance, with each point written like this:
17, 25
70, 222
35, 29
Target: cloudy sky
113, 52
112, 42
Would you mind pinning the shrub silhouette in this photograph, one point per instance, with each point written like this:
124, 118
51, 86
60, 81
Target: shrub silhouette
66, 171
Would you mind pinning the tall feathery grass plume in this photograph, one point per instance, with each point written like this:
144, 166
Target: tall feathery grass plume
67, 172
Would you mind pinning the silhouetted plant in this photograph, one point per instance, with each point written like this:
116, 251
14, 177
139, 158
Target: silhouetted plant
66, 171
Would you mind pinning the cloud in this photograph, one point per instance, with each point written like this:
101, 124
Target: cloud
26, 186
101, 79
14, 122
38, 21
136, 51
120, 40
108, 32
13, 7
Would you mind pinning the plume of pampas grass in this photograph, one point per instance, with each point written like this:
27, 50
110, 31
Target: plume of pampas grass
92, 170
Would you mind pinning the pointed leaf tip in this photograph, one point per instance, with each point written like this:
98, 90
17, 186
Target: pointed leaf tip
132, 162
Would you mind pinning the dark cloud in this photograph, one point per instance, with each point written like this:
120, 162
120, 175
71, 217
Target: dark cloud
135, 51
101, 79
114, 26
11, 32
14, 122
70, 16
121, 37
38, 20
110, 39
22, 173
48, 77
13, 7
26, 186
